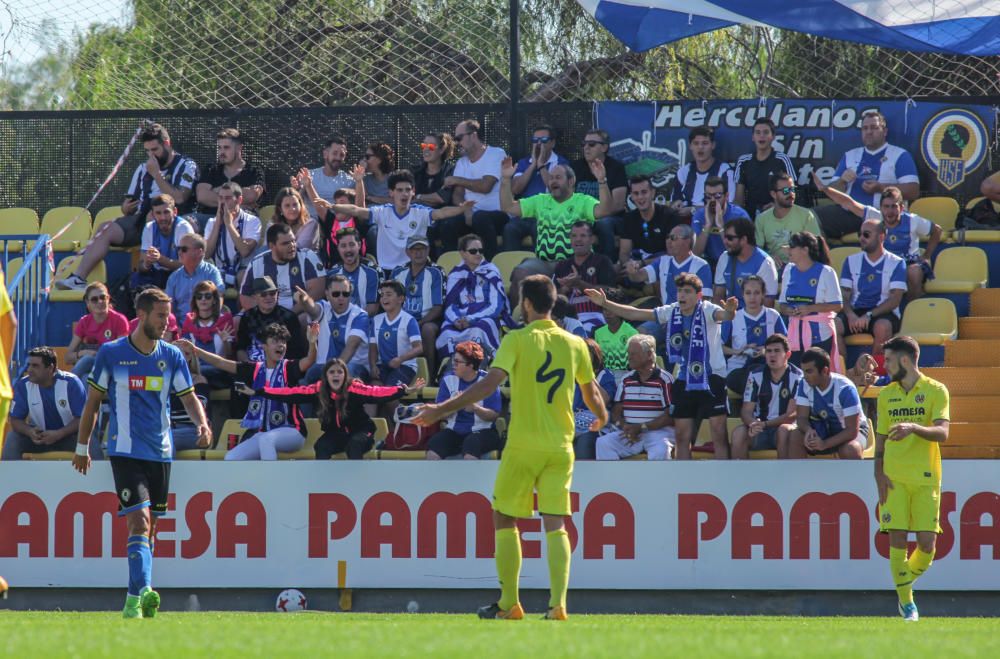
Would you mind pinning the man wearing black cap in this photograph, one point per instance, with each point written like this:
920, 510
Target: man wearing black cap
424, 284
267, 311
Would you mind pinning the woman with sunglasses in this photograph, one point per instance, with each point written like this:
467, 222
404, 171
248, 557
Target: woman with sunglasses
209, 325
99, 325
475, 304
810, 297
340, 401
379, 162
436, 154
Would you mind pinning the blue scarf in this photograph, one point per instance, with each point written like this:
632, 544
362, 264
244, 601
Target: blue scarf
262, 413
697, 375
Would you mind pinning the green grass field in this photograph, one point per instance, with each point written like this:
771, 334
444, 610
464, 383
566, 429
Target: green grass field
186, 635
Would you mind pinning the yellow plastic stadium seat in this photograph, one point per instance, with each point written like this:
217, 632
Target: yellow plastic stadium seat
507, 261
959, 270
65, 269
838, 255
266, 213
105, 215
18, 220
23, 291
850, 239
78, 221
930, 320
48, 456
448, 261
862, 339
218, 450
313, 432
940, 210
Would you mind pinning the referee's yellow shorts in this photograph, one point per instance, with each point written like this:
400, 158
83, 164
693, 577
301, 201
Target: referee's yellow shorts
522, 472
911, 507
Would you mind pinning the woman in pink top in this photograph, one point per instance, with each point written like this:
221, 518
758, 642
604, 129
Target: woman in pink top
290, 209
100, 325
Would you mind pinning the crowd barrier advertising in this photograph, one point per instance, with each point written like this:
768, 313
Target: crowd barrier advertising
636, 525
949, 142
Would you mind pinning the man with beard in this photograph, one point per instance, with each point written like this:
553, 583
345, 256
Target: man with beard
138, 373
230, 167
287, 267
828, 415
741, 259
164, 172
160, 244
776, 225
913, 422
323, 182
364, 278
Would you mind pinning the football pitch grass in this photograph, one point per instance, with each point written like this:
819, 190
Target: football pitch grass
305, 634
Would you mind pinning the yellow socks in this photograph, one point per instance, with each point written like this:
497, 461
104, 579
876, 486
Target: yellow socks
919, 562
508, 559
901, 575
557, 543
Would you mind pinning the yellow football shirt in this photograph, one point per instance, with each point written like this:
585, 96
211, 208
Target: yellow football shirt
6, 339
544, 364
913, 459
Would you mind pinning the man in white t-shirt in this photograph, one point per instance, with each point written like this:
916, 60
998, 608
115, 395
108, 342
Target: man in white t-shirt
231, 236
476, 178
399, 221
323, 182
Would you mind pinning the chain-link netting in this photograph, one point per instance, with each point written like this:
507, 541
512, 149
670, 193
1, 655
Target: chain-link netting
306, 53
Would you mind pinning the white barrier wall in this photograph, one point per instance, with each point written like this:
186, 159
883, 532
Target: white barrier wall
696, 525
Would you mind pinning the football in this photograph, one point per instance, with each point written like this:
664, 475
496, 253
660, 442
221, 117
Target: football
290, 601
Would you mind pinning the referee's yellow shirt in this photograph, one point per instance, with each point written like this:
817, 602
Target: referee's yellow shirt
544, 364
913, 459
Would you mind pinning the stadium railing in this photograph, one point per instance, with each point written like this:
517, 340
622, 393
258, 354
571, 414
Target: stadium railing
28, 288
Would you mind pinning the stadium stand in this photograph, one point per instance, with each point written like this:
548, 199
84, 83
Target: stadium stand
74, 221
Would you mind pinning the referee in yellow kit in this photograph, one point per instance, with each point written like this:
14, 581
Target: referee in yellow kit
544, 364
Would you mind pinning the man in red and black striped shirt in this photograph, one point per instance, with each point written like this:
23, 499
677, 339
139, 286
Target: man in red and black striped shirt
642, 408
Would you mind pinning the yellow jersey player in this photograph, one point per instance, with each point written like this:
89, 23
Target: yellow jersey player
544, 364
912, 424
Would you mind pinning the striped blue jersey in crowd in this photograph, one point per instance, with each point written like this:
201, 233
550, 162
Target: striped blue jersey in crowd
730, 273
890, 165
665, 269
49, 408
138, 386
464, 422
286, 276
334, 330
395, 337
829, 407
423, 290
871, 283
364, 280
745, 330
903, 239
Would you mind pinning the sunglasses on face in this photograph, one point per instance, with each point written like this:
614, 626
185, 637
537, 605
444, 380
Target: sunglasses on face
428, 146
205, 296
867, 234
729, 237
97, 298
339, 294
714, 195
541, 140
268, 294
592, 143
785, 190
475, 251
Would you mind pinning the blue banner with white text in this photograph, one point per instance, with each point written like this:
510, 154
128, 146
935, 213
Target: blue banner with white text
950, 142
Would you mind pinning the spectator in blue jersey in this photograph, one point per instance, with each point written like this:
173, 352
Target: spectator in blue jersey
46, 410
829, 418
266, 311
160, 247
872, 282
232, 235
364, 278
393, 339
598, 171
564, 315
810, 297
209, 325
323, 182
754, 170
475, 303
164, 172
287, 267
903, 233
663, 270
399, 220
585, 439
269, 426
694, 348
229, 167
743, 339
769, 410
343, 328
709, 221
194, 269
531, 177
641, 411
688, 193
584, 269
865, 172
647, 226
741, 259
424, 285
471, 432
138, 373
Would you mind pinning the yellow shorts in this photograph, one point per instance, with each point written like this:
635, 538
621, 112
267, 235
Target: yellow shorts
911, 507
522, 472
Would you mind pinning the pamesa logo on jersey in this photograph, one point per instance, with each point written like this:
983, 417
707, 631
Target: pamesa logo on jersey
954, 144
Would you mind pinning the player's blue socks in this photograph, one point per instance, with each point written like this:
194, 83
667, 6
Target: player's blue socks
140, 564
